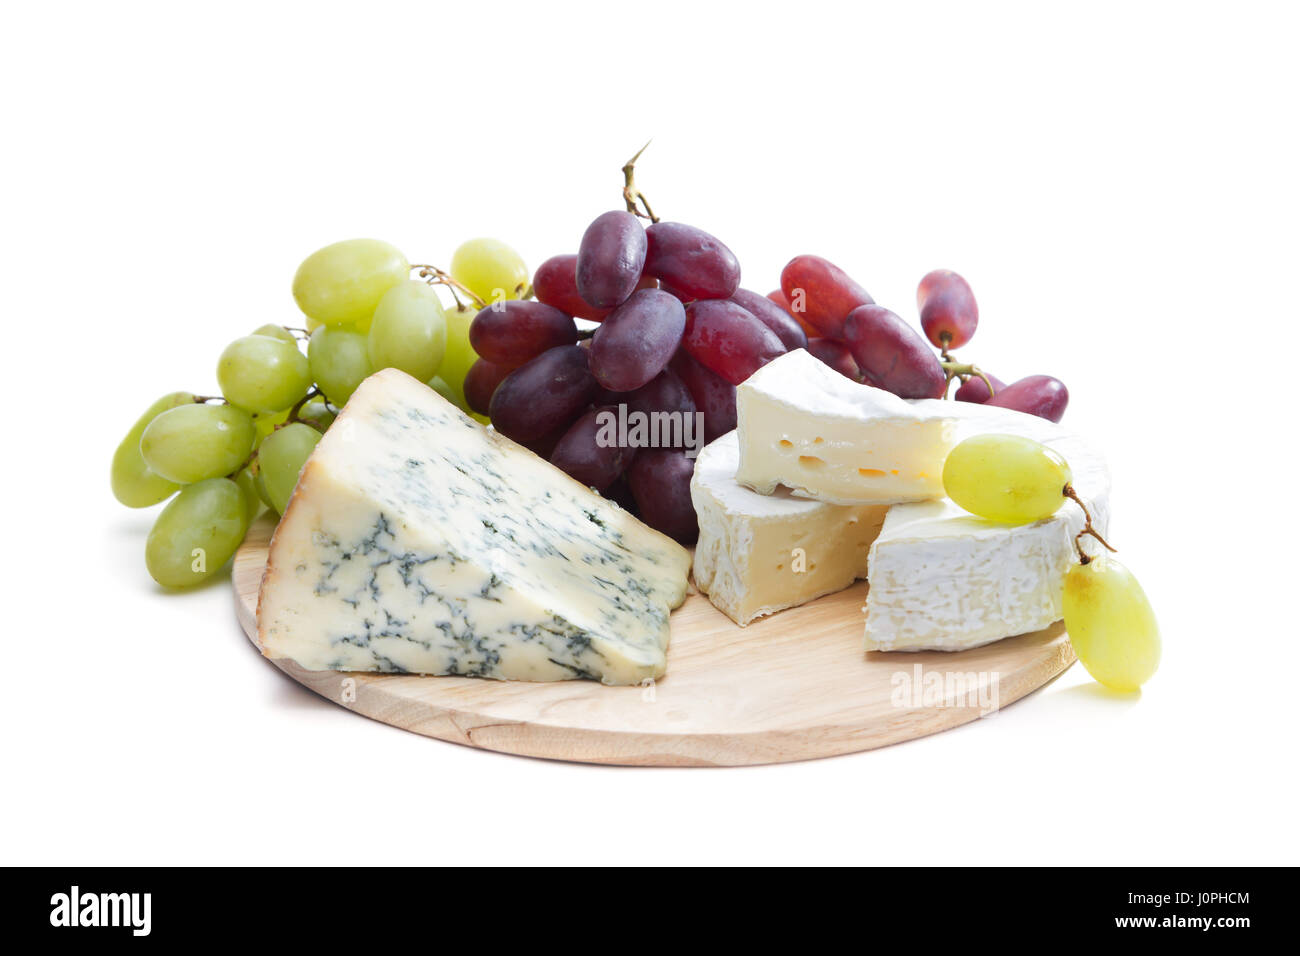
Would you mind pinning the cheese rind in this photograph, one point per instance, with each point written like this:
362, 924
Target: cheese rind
758, 554
943, 579
807, 427
418, 541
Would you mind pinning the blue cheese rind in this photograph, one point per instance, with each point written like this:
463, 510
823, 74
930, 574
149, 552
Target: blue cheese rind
419, 542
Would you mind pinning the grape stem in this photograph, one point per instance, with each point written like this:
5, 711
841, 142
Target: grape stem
435, 276
204, 399
1088, 529
631, 194
293, 412
953, 370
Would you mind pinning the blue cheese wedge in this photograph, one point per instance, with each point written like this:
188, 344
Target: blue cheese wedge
805, 426
417, 541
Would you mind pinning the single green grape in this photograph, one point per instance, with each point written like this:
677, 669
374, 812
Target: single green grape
193, 442
1111, 624
247, 483
409, 331
281, 458
1006, 478
342, 284
340, 361
196, 534
490, 269
276, 332
442, 388
262, 374
460, 355
134, 483
259, 485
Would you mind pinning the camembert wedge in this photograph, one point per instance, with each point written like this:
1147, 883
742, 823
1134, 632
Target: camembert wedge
759, 554
417, 541
807, 427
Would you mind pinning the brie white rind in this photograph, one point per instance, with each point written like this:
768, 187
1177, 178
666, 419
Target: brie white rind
752, 546
942, 579
417, 541
804, 425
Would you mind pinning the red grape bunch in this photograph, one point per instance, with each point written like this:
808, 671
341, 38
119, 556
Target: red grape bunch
675, 333
868, 343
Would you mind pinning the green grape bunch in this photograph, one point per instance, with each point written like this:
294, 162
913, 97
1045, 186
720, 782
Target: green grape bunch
219, 461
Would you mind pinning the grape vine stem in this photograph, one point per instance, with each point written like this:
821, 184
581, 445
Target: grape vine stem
631, 194
1088, 528
953, 370
435, 276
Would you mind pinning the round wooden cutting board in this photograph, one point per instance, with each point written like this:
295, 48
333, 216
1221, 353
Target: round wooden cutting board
793, 686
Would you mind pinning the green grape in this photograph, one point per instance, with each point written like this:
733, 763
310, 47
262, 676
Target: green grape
460, 355
265, 423
1006, 478
409, 331
194, 442
134, 483
490, 269
442, 388
340, 361
317, 414
259, 485
281, 458
247, 483
196, 534
276, 332
342, 283
1111, 624
262, 374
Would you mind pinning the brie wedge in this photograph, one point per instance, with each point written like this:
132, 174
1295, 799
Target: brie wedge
758, 554
807, 427
417, 541
942, 579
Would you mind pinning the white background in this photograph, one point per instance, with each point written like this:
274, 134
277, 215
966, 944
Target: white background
1118, 182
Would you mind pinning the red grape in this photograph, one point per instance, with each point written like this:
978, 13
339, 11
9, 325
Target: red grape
581, 455
610, 259
556, 284
511, 332
822, 293
543, 396
974, 389
691, 261
683, 297
727, 339
948, 310
637, 339
666, 392
713, 394
789, 331
810, 330
661, 483
836, 355
892, 355
481, 383
1039, 395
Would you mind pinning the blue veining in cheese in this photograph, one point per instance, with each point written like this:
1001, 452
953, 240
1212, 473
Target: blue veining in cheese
417, 541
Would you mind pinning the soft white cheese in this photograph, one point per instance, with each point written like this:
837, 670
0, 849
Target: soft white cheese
418, 541
758, 554
942, 579
807, 427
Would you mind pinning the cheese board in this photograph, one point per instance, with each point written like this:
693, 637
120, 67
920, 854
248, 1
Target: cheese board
793, 686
